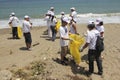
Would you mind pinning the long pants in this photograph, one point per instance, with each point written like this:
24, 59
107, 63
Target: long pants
53, 32
14, 32
94, 55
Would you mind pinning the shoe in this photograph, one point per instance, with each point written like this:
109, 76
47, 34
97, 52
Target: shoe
29, 49
100, 73
89, 73
64, 63
66, 59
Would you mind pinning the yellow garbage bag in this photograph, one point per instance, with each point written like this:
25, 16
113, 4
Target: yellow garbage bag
19, 32
58, 25
74, 47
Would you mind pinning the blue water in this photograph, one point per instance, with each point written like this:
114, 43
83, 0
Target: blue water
37, 8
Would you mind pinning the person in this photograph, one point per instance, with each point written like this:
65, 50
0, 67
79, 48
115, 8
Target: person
27, 25
92, 53
14, 22
64, 40
62, 15
100, 28
73, 14
73, 27
47, 18
53, 22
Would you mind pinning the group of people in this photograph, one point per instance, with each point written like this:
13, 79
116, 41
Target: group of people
94, 29
52, 21
26, 27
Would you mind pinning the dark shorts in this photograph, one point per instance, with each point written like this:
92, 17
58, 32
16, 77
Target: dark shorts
64, 50
28, 38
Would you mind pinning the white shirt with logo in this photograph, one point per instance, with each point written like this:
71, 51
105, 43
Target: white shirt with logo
26, 26
63, 34
14, 21
91, 38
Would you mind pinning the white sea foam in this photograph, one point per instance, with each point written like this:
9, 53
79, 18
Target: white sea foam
82, 18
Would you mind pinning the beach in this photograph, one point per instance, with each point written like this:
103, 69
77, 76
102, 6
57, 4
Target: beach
14, 56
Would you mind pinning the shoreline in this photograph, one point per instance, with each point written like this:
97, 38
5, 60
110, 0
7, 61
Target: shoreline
8, 30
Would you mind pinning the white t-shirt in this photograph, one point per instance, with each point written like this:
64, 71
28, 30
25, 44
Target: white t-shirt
74, 14
100, 28
91, 38
72, 30
53, 23
14, 21
26, 26
51, 12
63, 34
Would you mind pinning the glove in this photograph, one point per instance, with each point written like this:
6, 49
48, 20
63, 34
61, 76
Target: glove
81, 49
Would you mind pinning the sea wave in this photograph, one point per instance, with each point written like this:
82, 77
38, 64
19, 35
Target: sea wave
81, 18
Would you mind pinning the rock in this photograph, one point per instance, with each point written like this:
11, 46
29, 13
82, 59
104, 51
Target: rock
5, 75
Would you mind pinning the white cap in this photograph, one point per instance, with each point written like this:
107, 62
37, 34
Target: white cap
91, 22
51, 8
72, 8
12, 13
66, 19
98, 20
26, 16
62, 12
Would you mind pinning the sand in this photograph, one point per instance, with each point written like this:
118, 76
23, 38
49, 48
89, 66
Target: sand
14, 56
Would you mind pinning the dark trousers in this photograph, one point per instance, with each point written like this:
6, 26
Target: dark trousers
28, 38
94, 55
53, 32
14, 32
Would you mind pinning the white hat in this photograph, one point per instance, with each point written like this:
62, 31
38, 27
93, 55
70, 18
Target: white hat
62, 12
72, 8
98, 20
91, 22
51, 7
66, 19
12, 13
26, 16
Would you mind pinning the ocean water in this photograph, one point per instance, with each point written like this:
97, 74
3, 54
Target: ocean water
37, 8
